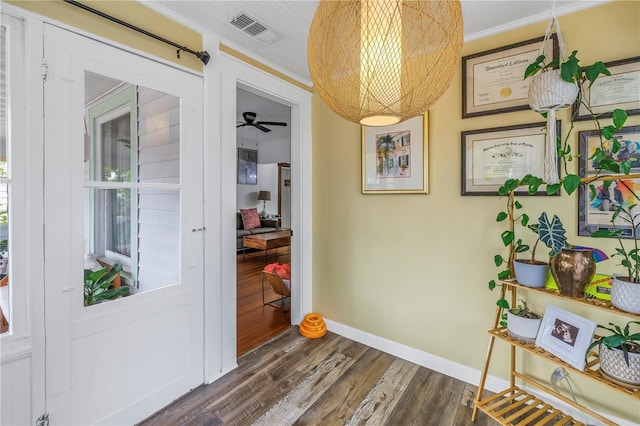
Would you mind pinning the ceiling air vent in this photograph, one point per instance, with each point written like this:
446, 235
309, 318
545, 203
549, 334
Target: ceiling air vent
253, 28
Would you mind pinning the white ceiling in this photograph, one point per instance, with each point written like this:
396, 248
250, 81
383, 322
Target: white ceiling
291, 19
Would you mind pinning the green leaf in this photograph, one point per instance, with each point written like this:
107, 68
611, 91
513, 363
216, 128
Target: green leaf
524, 219
619, 118
625, 167
522, 248
517, 205
552, 233
570, 183
503, 275
507, 237
502, 216
502, 302
498, 260
553, 188
592, 72
608, 132
492, 284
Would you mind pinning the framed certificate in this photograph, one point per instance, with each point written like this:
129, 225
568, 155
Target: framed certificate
493, 81
620, 90
492, 156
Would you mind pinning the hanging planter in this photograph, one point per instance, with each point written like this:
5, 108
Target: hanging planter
548, 93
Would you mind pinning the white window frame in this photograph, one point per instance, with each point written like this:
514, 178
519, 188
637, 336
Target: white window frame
116, 104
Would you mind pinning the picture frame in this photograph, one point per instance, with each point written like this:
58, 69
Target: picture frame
493, 80
395, 158
492, 156
595, 207
247, 166
565, 335
620, 90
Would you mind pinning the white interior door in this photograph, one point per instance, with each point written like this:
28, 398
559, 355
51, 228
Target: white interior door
123, 185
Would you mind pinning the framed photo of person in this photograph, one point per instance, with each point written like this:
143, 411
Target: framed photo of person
493, 81
597, 202
565, 335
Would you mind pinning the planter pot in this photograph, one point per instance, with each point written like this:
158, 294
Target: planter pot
531, 274
573, 269
613, 365
548, 91
523, 328
625, 295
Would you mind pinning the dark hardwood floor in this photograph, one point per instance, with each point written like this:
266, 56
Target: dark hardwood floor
292, 380
257, 323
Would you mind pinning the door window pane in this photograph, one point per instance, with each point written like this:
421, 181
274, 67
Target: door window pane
132, 193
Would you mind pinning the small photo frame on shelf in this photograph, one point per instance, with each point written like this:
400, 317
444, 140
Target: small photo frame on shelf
492, 156
566, 335
493, 81
247, 166
395, 158
620, 90
596, 206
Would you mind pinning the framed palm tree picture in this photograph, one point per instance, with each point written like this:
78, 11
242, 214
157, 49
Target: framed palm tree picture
395, 158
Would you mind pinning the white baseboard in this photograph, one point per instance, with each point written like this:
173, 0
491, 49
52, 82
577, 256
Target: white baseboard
453, 369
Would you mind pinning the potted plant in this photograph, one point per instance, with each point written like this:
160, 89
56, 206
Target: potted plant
97, 285
625, 290
619, 354
532, 272
521, 322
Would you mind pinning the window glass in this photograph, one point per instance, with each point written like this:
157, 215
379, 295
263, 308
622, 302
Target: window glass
5, 303
132, 192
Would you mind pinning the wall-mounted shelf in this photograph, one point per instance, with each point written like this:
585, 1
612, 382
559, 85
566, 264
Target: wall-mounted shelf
514, 406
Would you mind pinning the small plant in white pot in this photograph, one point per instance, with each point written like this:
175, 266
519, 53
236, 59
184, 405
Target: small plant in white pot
619, 354
521, 322
625, 290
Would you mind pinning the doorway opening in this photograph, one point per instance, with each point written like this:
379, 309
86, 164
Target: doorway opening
263, 140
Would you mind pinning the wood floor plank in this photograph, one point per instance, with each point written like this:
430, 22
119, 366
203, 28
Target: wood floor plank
414, 404
380, 402
443, 398
309, 390
340, 400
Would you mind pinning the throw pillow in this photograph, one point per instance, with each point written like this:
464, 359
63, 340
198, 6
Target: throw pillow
250, 218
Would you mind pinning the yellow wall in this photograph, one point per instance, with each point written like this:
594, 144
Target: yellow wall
414, 268
131, 12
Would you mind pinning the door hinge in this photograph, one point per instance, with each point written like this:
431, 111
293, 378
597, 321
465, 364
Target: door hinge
43, 69
43, 420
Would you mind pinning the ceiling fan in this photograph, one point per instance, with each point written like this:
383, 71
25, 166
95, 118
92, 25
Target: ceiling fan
250, 117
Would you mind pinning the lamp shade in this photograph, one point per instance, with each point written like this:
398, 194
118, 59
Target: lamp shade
264, 196
378, 62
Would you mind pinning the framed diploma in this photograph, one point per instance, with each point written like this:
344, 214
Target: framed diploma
619, 90
493, 81
596, 202
490, 157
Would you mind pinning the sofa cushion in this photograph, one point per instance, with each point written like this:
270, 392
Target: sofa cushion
243, 233
262, 230
250, 218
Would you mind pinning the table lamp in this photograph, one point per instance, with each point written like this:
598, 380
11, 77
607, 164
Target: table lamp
264, 196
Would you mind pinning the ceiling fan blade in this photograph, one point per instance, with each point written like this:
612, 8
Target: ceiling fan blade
264, 129
271, 123
241, 125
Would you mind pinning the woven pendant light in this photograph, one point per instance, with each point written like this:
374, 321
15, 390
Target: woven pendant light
379, 62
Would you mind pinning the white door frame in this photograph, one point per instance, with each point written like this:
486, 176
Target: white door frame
222, 77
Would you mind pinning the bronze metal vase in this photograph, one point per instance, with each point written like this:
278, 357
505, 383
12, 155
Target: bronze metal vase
573, 269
